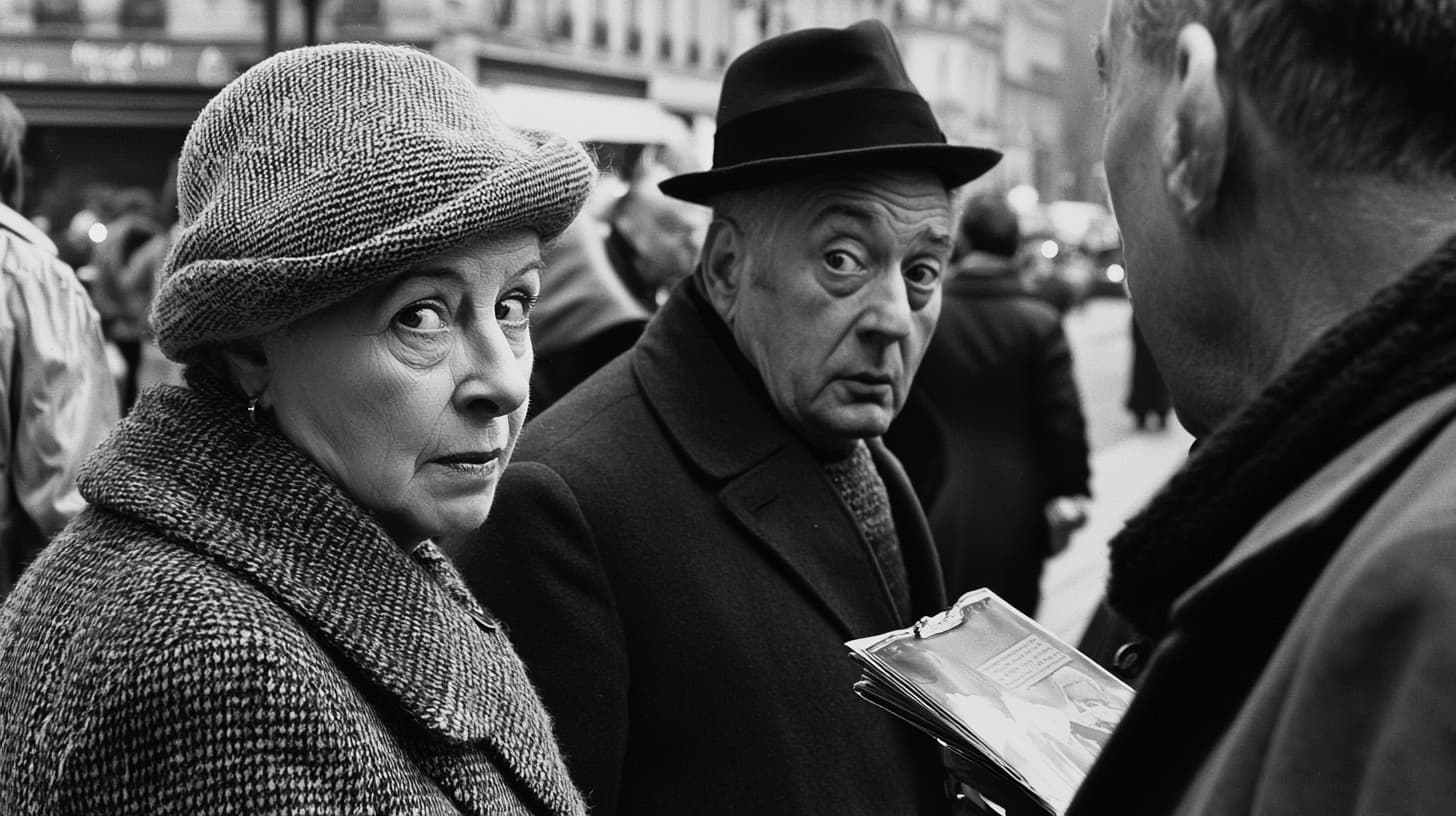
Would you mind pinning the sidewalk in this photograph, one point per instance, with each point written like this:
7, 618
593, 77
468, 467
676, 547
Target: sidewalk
1124, 476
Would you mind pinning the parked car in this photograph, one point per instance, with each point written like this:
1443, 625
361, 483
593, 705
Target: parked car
1072, 251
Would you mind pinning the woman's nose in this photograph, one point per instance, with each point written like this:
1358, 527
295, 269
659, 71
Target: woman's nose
495, 372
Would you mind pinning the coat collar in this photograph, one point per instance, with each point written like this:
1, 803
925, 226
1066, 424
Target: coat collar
714, 406
21, 226
1322, 495
704, 390
188, 463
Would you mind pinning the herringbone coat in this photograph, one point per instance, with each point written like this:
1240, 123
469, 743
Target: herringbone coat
223, 631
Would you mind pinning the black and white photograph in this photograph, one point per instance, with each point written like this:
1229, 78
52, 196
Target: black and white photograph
722, 407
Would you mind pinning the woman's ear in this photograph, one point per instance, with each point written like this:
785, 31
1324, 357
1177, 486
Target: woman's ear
1195, 149
723, 262
248, 363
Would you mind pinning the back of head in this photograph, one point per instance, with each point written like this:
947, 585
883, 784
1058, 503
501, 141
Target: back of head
12, 138
1353, 85
988, 225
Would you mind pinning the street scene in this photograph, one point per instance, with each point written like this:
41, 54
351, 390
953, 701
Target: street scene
1128, 465
721, 407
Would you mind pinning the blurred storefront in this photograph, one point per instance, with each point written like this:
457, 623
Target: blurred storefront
108, 88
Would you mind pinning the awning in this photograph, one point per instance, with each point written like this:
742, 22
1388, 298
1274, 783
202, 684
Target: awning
108, 106
586, 117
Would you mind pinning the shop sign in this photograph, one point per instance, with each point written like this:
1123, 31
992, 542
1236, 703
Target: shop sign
114, 63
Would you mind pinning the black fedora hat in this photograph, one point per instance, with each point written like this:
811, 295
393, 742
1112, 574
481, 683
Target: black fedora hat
819, 99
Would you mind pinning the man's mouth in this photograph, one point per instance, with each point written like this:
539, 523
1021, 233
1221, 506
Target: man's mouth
871, 379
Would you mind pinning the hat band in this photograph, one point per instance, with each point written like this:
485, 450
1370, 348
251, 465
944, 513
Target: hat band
827, 124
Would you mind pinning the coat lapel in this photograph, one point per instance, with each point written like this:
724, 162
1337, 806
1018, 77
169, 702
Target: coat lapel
1319, 498
274, 519
716, 410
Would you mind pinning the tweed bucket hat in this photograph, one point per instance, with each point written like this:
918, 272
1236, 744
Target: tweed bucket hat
324, 170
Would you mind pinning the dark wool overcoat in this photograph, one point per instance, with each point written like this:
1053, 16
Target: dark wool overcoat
223, 631
1311, 672
680, 576
994, 430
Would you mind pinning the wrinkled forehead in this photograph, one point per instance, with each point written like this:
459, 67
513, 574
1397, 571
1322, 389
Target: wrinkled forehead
894, 194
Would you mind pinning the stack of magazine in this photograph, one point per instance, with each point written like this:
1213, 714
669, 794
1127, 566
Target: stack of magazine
1025, 711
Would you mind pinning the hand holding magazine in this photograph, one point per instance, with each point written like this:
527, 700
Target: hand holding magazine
1027, 712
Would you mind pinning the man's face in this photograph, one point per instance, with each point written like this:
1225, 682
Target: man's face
1135, 92
666, 233
838, 296
1183, 305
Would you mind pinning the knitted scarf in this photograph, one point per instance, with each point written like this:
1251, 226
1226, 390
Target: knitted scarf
1398, 348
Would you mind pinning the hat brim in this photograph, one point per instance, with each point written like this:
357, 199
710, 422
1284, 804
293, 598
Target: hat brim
211, 300
954, 164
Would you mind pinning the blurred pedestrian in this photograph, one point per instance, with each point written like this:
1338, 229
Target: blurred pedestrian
121, 297
689, 537
1286, 186
1148, 399
585, 316
251, 617
139, 279
1002, 418
653, 239
57, 398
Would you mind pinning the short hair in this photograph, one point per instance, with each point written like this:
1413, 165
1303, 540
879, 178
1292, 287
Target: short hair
988, 225
755, 212
12, 164
1354, 85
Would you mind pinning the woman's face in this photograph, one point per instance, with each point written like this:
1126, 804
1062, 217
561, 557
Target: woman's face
411, 394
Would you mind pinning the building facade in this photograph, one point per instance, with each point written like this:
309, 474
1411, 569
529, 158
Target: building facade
110, 86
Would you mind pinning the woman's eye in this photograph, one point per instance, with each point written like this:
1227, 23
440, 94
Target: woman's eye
514, 310
422, 317
842, 262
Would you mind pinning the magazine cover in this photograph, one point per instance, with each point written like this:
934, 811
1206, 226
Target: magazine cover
1026, 711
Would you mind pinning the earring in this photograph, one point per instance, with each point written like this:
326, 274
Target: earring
253, 410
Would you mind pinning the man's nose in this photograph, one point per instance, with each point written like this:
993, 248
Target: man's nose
887, 315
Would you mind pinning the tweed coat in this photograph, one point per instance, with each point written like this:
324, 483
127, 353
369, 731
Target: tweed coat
223, 631
1311, 672
679, 576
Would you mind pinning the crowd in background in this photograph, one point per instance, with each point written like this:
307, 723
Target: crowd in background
340, 570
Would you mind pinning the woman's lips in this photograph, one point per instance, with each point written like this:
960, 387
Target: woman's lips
471, 461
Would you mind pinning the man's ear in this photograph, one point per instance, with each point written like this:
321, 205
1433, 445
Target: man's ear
1195, 149
723, 265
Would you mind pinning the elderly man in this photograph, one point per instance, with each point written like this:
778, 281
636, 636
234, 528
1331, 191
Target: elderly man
1285, 178
684, 542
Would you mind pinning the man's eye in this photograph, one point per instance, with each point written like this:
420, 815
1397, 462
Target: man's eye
514, 309
922, 275
422, 317
842, 262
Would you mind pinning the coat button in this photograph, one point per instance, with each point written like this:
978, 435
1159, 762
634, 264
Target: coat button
1129, 658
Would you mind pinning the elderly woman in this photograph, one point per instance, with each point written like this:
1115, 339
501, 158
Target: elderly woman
251, 616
